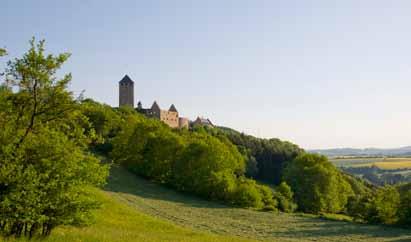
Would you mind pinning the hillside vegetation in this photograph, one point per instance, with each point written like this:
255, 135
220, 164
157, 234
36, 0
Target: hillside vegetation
134, 209
117, 222
48, 154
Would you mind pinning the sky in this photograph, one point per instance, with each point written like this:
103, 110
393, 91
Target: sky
321, 74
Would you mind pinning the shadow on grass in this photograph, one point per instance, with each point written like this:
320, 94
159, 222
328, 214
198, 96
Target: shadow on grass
266, 225
123, 181
317, 228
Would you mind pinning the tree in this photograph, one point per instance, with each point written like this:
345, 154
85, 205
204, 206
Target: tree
384, 206
103, 124
266, 158
45, 168
285, 197
404, 210
203, 163
194, 161
318, 186
2, 52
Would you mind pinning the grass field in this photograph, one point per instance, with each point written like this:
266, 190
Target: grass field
383, 163
117, 222
137, 210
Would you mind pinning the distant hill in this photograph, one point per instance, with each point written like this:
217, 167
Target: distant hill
403, 151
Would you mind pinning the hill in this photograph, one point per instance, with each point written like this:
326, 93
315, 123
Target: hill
403, 151
134, 209
116, 221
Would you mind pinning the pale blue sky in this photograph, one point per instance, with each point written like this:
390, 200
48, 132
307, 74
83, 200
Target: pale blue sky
318, 73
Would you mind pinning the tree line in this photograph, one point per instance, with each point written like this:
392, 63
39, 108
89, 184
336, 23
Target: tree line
49, 140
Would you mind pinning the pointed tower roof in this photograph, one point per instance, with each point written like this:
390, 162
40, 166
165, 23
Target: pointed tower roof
126, 80
155, 106
139, 105
173, 108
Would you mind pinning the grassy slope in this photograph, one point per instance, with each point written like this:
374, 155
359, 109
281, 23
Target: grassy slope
137, 210
198, 214
118, 222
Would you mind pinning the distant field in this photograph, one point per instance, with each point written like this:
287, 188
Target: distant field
383, 163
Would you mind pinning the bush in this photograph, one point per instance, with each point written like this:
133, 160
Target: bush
284, 197
247, 194
381, 206
404, 210
318, 186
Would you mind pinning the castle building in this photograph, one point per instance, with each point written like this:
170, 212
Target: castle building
170, 116
126, 92
203, 121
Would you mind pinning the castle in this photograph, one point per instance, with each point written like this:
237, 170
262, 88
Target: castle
170, 116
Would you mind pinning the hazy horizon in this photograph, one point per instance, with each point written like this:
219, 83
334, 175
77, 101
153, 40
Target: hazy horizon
317, 73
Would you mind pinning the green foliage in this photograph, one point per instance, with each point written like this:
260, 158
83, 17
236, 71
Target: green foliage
285, 198
3, 52
381, 206
103, 124
404, 210
198, 214
247, 194
266, 158
190, 161
384, 206
44, 166
318, 186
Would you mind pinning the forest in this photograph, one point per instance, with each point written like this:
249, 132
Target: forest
51, 144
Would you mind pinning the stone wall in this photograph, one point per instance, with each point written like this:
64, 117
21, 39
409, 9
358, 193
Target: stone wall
170, 118
126, 97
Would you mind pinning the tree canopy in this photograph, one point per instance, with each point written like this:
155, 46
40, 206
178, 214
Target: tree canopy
318, 186
45, 167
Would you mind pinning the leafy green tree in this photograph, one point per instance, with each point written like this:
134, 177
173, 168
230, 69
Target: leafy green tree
248, 195
285, 198
2, 52
45, 168
318, 186
385, 206
194, 161
204, 159
404, 210
265, 158
380, 206
103, 124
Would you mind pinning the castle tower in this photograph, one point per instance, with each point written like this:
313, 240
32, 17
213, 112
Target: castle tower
126, 92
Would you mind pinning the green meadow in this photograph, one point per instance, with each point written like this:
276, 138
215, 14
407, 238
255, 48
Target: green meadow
134, 209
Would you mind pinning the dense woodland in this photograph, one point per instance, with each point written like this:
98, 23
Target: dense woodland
49, 142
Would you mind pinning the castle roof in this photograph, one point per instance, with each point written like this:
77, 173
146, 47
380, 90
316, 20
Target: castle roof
203, 121
126, 80
155, 106
172, 108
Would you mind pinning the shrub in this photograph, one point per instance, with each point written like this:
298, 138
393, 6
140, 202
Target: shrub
318, 186
381, 206
284, 197
404, 210
247, 194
